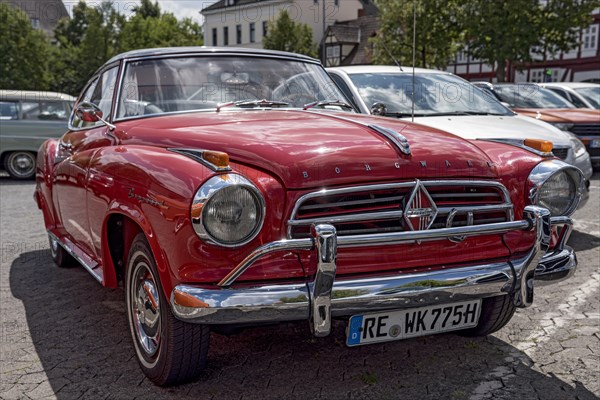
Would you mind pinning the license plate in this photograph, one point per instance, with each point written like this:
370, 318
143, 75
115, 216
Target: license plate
595, 143
414, 322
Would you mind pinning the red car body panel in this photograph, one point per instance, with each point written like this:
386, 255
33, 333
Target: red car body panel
135, 175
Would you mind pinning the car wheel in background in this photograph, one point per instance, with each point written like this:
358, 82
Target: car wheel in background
20, 165
168, 350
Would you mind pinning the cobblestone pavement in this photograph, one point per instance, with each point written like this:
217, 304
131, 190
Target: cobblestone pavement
64, 336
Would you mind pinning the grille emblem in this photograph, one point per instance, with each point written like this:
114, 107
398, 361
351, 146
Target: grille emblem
420, 209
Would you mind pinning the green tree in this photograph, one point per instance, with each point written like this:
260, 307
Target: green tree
147, 9
85, 42
286, 35
499, 32
143, 31
438, 32
560, 22
24, 52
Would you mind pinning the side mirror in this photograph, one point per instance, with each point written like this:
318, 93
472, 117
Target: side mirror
379, 109
89, 112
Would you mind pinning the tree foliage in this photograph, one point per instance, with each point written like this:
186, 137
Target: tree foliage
24, 52
286, 35
438, 32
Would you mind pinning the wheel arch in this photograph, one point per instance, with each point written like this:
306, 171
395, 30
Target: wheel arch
118, 232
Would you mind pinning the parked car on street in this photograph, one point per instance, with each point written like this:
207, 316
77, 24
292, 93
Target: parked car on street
532, 100
27, 119
230, 187
445, 101
581, 94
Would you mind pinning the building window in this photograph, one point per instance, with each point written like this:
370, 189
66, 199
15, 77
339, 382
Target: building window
265, 28
214, 36
590, 37
252, 32
230, 3
35, 23
336, 3
225, 36
238, 34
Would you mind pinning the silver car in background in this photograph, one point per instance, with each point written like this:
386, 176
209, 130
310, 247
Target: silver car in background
447, 102
28, 119
582, 94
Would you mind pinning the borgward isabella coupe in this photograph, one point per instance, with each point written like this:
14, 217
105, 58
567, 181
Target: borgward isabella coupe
232, 187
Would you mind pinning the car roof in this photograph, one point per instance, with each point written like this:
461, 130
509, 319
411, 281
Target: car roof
34, 95
166, 51
572, 85
383, 69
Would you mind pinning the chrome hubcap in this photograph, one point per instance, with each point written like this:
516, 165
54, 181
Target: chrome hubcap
145, 309
53, 247
22, 164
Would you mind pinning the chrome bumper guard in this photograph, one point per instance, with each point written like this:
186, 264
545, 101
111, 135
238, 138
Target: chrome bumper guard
328, 297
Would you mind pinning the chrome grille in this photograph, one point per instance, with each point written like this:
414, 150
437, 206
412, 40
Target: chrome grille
561, 152
586, 129
379, 208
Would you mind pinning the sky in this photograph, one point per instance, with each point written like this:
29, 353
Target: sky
181, 8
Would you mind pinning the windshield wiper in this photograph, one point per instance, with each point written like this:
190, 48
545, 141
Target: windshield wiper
324, 103
252, 103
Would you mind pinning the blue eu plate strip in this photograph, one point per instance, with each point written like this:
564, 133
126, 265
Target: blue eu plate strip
355, 325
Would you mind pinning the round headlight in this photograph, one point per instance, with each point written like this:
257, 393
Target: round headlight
557, 193
557, 186
228, 210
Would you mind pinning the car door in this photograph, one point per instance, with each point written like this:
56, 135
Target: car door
78, 147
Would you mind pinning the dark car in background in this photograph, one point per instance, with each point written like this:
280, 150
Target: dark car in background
28, 119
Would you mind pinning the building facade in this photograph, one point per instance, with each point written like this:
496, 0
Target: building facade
244, 23
582, 64
43, 14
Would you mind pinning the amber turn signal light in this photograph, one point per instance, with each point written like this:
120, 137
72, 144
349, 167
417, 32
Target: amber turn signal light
187, 300
216, 158
545, 146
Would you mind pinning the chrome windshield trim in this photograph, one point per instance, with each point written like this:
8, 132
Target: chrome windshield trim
88, 267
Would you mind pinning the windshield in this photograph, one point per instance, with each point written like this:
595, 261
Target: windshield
435, 94
158, 86
591, 94
531, 96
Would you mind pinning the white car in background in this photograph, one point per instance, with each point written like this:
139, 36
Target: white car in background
449, 103
582, 94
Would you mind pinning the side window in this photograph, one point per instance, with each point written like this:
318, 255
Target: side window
8, 110
345, 89
44, 110
100, 92
573, 98
561, 93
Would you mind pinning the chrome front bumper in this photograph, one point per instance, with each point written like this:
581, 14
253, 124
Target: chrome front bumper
328, 297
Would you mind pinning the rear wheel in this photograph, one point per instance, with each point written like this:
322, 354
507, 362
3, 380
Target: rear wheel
495, 314
59, 255
168, 350
20, 165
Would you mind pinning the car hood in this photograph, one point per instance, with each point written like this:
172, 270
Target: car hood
572, 115
497, 127
315, 149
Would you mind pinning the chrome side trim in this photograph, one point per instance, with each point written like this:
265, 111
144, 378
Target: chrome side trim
198, 155
88, 267
380, 239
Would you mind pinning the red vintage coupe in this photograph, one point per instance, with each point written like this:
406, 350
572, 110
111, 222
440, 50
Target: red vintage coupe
231, 187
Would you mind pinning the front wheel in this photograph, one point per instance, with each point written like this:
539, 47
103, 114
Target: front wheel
495, 314
20, 165
168, 350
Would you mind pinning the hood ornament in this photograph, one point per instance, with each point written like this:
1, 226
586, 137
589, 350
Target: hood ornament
399, 140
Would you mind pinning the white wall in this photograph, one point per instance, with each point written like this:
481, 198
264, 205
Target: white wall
304, 11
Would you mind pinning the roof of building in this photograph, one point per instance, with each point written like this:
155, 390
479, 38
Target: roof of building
357, 31
223, 4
